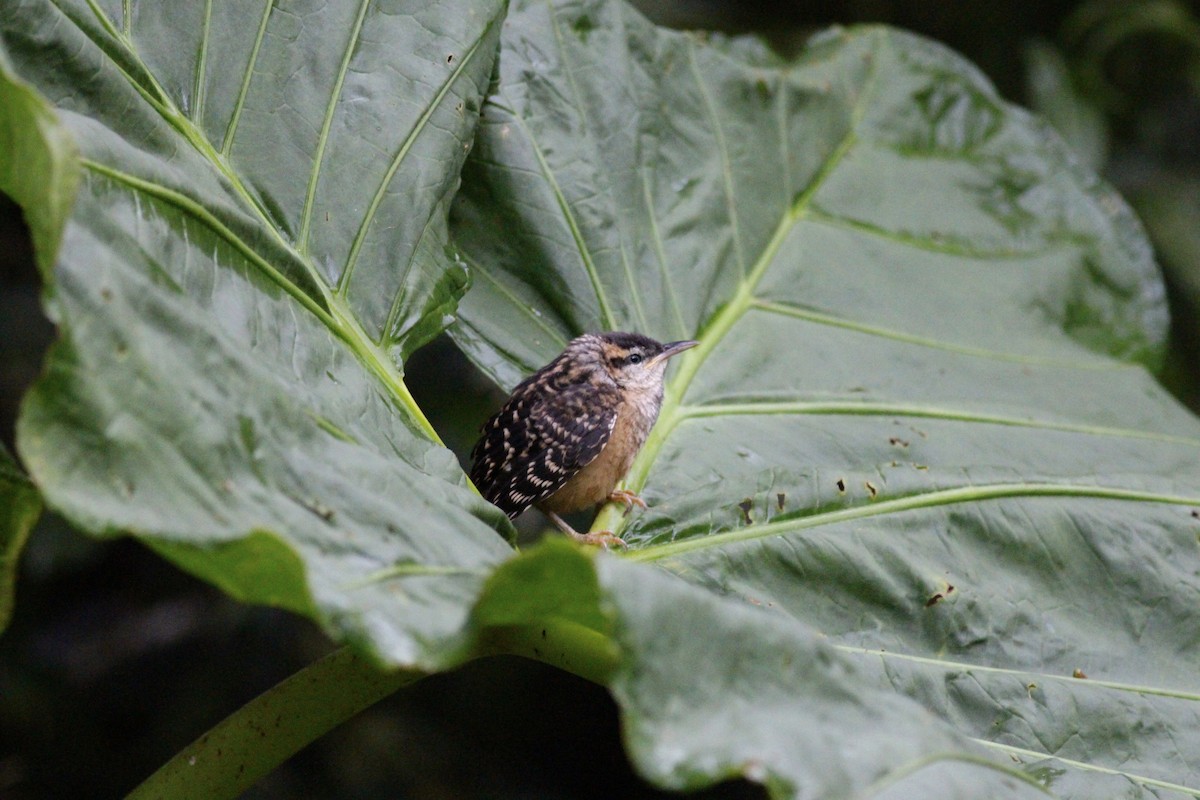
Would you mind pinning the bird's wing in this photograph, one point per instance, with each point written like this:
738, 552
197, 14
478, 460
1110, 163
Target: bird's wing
534, 445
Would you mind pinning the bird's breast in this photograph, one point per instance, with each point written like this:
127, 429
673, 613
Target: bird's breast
593, 483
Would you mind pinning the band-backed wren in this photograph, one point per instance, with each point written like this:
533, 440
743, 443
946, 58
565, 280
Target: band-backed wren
568, 433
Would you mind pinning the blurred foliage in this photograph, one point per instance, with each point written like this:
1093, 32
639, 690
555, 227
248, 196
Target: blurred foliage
112, 650
1127, 99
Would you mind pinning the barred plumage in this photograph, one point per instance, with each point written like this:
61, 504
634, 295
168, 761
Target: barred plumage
568, 433
538, 440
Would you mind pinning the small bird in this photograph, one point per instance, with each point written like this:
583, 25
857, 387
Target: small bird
568, 433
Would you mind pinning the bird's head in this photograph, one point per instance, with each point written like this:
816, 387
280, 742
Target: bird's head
630, 360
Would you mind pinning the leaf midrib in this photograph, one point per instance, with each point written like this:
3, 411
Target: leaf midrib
609, 517
337, 315
339, 319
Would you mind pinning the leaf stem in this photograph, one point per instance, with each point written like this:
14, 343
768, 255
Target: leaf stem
571, 647
258, 737
268, 730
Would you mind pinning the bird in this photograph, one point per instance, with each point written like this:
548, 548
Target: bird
569, 432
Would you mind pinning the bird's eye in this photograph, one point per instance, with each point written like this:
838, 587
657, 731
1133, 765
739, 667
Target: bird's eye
635, 358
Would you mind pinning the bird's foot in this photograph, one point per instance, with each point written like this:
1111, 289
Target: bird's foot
626, 498
601, 539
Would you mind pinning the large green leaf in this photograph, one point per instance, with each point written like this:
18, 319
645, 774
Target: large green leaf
916, 420
222, 391
259, 238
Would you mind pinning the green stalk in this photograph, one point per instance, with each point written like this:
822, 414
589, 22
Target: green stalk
569, 646
258, 737
261, 735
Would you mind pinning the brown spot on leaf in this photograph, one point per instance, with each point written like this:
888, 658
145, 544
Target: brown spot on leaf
1078, 673
779, 498
841, 484
871, 490
745, 506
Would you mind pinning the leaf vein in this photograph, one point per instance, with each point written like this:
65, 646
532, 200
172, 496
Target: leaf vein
925, 412
337, 319
327, 123
159, 99
405, 146
244, 90
602, 175
162, 103
922, 500
902, 771
385, 334
931, 245
785, 136
964, 666
555, 336
660, 256
726, 162
791, 310
199, 76
585, 255
1083, 765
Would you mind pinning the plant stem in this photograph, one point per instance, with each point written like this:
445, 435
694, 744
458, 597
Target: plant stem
271, 728
268, 730
567, 645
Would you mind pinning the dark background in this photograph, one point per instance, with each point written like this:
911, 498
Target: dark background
115, 660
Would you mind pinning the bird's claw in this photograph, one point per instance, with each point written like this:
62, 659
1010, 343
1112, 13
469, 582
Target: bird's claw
601, 539
626, 498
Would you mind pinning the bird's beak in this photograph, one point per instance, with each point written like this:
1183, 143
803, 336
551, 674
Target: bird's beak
674, 348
